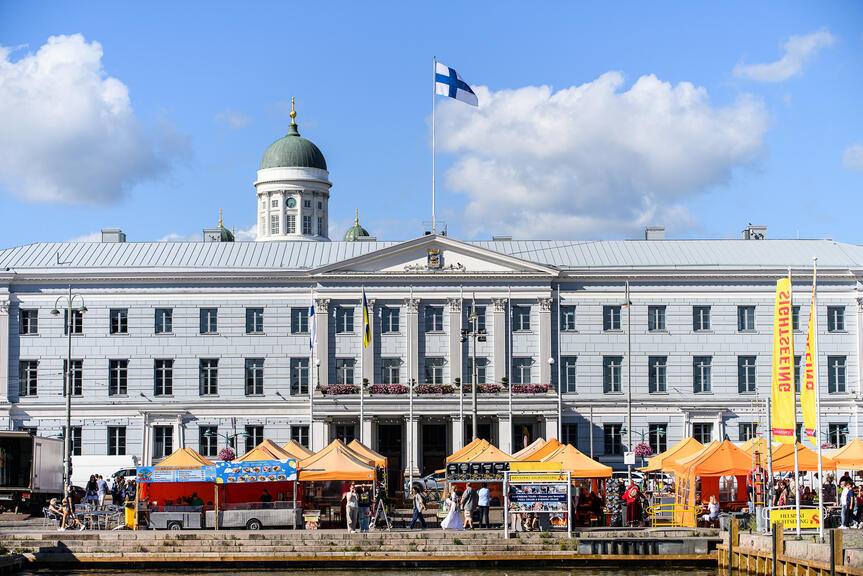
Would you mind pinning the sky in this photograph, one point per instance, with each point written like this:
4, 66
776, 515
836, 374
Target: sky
595, 119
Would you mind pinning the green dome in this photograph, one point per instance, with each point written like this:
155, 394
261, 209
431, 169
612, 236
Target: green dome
293, 151
356, 231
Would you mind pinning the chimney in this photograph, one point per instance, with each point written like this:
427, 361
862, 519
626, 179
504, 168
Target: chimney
501, 238
752, 232
113, 235
654, 232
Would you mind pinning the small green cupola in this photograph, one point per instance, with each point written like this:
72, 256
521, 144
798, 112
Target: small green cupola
356, 231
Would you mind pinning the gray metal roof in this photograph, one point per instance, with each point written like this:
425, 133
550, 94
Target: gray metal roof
300, 256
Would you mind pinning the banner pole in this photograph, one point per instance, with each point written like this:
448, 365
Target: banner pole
796, 448
769, 450
434, 71
815, 367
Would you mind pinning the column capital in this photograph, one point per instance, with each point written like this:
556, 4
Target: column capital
454, 304
499, 304
322, 305
412, 304
859, 304
4, 307
545, 304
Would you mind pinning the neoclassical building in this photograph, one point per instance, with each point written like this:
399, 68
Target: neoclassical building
204, 343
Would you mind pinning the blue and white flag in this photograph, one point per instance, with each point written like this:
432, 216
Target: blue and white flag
448, 82
313, 328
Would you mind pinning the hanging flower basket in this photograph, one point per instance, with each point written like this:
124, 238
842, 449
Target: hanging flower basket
529, 388
227, 454
340, 389
827, 446
643, 450
434, 389
388, 389
488, 388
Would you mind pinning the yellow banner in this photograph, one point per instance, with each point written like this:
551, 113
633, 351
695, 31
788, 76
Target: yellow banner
788, 518
808, 391
782, 392
535, 466
537, 477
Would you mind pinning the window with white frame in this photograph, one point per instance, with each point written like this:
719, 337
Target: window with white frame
77, 322
299, 320
836, 318
703, 432
209, 320
299, 376
307, 225
254, 436
119, 321
656, 377
700, 318
163, 441
480, 316
389, 320
701, 374
656, 318
745, 318
74, 441
254, 320
116, 440
657, 437
795, 318
290, 224
434, 370
521, 370
610, 318
569, 431
835, 374
77, 375
837, 434
254, 372
118, 377
164, 320
611, 368
274, 224
568, 372
481, 367
29, 322
798, 361
208, 376
612, 440
567, 318
345, 370
434, 318
208, 441
521, 318
163, 377
747, 431
28, 377
300, 434
391, 370
746, 374
344, 320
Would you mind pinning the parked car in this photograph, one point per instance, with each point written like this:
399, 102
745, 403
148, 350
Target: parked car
434, 482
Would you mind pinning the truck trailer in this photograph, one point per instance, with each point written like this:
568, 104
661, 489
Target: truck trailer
31, 470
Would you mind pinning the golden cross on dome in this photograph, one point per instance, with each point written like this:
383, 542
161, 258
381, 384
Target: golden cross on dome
293, 112
220, 218
357, 219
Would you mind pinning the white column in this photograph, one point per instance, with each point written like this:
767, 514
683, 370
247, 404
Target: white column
499, 338
457, 433
545, 341
413, 455
146, 452
4, 353
455, 363
504, 433
322, 318
412, 309
367, 431
551, 426
319, 434
177, 437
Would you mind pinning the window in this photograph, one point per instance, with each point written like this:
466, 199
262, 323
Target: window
116, 440
568, 372
208, 376
28, 376
291, 224
612, 439
797, 368
520, 318
434, 371
481, 367
77, 322
163, 377
254, 376
837, 434
610, 318
274, 224
307, 203
209, 321
299, 320
521, 370
274, 203
320, 205
300, 434
611, 366
299, 376
655, 318
254, 436
567, 318
119, 321
701, 374
163, 444
747, 431
307, 225
657, 435
118, 377
208, 441
745, 374
29, 322
390, 370
745, 318
569, 432
75, 440
344, 320
798, 429
320, 226
164, 320
835, 374
656, 375
434, 318
480, 316
700, 318
344, 432
254, 320
345, 370
795, 318
703, 432
835, 318
77, 377
389, 320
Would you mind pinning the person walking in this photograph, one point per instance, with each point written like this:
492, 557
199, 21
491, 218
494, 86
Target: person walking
419, 508
453, 517
468, 505
845, 502
352, 511
101, 490
484, 501
633, 498
364, 497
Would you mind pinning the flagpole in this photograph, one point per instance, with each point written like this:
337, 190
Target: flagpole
434, 220
796, 449
313, 381
362, 384
818, 441
410, 430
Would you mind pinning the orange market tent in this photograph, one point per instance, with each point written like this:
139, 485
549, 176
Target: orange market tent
475, 445
684, 448
266, 450
175, 493
297, 451
581, 466
490, 454
849, 457
335, 462
186, 459
540, 453
717, 459
251, 492
783, 459
756, 443
527, 451
367, 453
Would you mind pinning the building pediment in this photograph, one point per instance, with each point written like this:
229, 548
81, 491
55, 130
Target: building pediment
436, 255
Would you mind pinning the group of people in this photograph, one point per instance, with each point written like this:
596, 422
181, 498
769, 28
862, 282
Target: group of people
364, 507
459, 508
851, 503
98, 490
64, 511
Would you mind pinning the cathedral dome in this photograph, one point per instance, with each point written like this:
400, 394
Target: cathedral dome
293, 151
356, 231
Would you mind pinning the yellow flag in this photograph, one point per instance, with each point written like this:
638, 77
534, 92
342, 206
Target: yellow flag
809, 391
782, 392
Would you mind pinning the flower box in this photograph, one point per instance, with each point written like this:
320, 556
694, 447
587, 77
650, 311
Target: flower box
340, 389
529, 388
388, 389
488, 388
434, 389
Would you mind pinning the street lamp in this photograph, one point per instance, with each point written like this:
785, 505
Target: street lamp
229, 438
476, 334
559, 414
67, 381
627, 303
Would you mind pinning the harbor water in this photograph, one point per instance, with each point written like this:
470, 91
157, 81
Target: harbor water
649, 571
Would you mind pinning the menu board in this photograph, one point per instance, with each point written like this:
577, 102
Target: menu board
260, 471
152, 474
546, 497
476, 471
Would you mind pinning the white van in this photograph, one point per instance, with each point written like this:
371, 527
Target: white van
85, 466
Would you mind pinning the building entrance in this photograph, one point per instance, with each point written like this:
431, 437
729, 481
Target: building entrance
390, 446
434, 447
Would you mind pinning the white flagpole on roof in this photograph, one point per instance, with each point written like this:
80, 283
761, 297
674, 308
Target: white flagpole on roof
434, 80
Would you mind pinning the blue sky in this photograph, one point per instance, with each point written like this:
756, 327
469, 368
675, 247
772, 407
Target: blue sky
595, 118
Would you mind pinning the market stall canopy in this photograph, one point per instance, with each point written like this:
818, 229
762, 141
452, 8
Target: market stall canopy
716, 459
489, 454
849, 457
266, 450
783, 459
475, 445
684, 448
540, 453
526, 452
184, 458
335, 462
757, 443
297, 451
367, 453
581, 466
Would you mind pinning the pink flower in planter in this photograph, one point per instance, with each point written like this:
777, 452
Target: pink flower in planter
529, 388
643, 450
227, 454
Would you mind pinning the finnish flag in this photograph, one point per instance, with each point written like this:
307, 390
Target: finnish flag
448, 82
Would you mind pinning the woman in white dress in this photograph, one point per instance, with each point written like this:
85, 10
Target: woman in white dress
453, 517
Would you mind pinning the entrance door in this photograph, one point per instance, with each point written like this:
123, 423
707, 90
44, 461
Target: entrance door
434, 449
390, 446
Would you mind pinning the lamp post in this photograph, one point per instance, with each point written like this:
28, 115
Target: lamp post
628, 305
550, 361
229, 438
475, 334
67, 381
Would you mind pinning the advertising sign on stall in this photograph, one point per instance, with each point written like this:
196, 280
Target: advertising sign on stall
152, 474
788, 518
476, 471
260, 471
545, 493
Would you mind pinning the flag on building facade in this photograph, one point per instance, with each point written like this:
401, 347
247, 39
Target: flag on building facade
782, 391
313, 328
809, 389
367, 329
448, 82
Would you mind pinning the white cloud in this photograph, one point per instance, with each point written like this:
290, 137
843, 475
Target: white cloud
69, 133
250, 233
798, 51
852, 158
593, 160
91, 237
232, 120
174, 237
